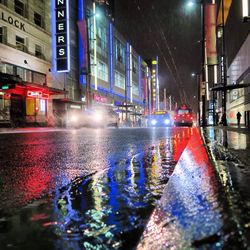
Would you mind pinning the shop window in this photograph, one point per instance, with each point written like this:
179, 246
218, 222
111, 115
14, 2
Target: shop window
42, 106
20, 44
30, 106
38, 51
38, 19
19, 7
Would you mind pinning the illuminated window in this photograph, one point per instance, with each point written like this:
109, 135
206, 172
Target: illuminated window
119, 80
134, 65
19, 7
102, 35
102, 69
119, 51
42, 105
135, 89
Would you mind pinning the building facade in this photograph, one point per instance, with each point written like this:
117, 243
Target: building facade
51, 62
25, 54
224, 86
238, 56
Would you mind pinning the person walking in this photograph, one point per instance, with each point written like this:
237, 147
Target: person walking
238, 115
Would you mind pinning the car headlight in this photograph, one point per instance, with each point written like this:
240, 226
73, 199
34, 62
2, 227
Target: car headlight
73, 118
153, 122
97, 117
167, 121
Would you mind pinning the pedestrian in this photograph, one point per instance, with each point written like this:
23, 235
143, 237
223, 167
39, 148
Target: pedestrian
216, 118
224, 119
238, 115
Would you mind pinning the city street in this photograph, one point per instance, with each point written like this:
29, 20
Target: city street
65, 189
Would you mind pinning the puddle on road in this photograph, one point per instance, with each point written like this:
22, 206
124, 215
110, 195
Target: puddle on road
105, 210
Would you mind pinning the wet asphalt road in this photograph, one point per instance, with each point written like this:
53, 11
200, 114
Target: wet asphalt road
79, 189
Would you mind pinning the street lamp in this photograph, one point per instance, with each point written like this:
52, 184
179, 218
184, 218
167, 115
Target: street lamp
223, 69
198, 81
201, 77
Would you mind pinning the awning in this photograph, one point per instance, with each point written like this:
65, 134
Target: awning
220, 87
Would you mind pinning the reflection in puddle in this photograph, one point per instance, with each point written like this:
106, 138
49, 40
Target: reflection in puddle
107, 209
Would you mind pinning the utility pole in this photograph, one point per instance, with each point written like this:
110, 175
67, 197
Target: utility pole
224, 69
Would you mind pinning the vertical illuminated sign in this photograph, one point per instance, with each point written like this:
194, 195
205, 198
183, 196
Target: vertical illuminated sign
245, 10
62, 35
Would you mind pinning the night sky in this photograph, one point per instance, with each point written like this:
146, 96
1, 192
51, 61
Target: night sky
171, 30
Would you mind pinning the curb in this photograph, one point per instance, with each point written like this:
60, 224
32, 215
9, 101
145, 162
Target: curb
192, 212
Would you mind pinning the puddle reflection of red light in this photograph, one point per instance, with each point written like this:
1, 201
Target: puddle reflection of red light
181, 139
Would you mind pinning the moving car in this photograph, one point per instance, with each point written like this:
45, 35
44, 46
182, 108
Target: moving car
183, 116
101, 117
159, 119
94, 117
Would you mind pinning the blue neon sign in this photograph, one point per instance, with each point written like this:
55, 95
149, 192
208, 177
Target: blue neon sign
62, 35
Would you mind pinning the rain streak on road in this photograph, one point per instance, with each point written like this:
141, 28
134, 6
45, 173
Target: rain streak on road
79, 189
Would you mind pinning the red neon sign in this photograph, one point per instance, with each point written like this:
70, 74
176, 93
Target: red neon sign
34, 93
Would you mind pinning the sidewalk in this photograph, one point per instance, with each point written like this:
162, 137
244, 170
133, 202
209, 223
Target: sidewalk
206, 202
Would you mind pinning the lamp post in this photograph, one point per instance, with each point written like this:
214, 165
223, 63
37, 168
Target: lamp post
223, 69
198, 82
201, 77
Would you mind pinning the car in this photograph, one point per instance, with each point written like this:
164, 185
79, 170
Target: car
183, 116
101, 117
159, 119
75, 118
94, 117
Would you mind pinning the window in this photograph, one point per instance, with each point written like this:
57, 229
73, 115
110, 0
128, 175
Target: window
1, 34
4, 2
134, 64
38, 51
119, 80
101, 36
119, 52
20, 45
39, 78
135, 89
102, 70
38, 19
19, 7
